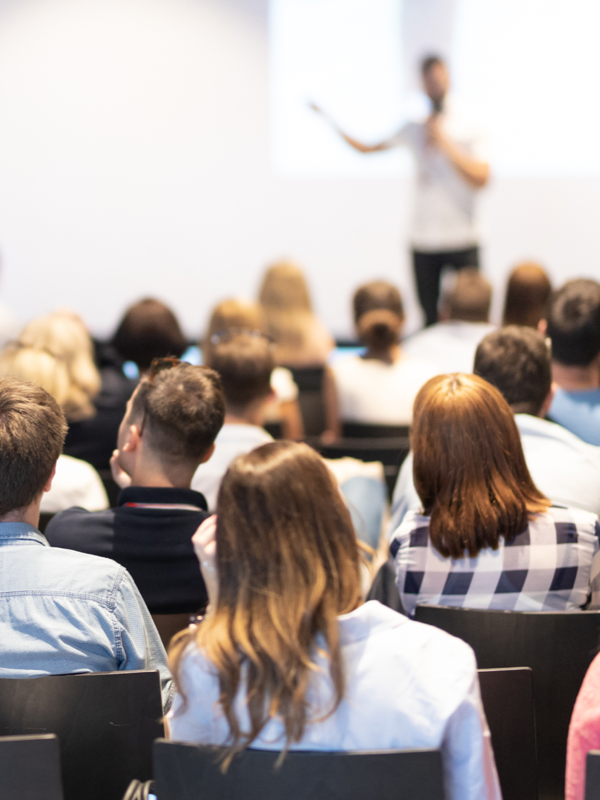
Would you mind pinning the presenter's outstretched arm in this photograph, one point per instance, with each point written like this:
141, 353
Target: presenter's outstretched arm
475, 172
360, 146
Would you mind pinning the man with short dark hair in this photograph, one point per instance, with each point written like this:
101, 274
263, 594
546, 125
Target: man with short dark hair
574, 329
169, 428
516, 360
60, 612
464, 320
244, 363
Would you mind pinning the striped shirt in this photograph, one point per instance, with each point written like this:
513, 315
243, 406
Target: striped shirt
547, 567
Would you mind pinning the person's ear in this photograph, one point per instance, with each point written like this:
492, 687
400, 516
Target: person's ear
48, 484
132, 441
543, 326
208, 453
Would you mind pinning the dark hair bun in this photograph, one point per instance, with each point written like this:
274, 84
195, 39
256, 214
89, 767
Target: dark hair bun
379, 328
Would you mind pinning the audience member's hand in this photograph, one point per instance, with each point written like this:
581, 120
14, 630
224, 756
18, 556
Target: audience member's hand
205, 547
120, 477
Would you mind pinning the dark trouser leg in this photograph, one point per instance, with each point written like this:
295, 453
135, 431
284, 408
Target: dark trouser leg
428, 269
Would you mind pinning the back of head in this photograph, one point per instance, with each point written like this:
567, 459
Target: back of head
378, 314
182, 410
470, 298
469, 468
527, 295
574, 322
288, 566
32, 434
149, 330
63, 335
244, 363
284, 288
516, 360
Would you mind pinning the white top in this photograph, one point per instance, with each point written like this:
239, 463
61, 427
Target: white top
284, 385
377, 393
445, 211
76, 483
563, 468
450, 345
231, 442
408, 686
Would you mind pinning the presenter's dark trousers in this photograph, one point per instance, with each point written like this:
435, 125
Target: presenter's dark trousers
428, 270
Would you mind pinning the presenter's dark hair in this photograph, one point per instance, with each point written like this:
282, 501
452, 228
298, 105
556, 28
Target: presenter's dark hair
469, 468
516, 360
574, 322
378, 314
32, 433
148, 330
429, 61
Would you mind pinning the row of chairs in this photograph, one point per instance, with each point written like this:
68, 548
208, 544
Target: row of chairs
106, 725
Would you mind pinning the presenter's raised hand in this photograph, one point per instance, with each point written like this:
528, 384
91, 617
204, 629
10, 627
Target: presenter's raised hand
205, 547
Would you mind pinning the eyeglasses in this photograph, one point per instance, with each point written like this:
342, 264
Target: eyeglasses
158, 365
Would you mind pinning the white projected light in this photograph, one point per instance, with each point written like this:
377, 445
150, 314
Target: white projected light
525, 69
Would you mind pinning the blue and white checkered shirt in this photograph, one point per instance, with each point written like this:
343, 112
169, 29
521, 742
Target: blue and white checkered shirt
546, 568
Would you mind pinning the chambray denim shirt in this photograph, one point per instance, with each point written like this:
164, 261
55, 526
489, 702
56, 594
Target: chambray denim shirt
65, 612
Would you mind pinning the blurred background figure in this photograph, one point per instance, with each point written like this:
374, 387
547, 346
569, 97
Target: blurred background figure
71, 380
379, 386
300, 337
237, 315
464, 320
527, 295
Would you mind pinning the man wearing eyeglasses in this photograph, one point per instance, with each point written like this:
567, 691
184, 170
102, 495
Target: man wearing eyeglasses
168, 430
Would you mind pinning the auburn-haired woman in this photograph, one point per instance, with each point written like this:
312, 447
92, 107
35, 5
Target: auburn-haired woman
379, 386
527, 295
287, 655
486, 536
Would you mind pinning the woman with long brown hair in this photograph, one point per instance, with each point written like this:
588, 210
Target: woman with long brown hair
486, 536
288, 657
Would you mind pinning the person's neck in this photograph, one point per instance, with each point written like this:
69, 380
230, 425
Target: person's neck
30, 515
389, 355
576, 379
156, 475
249, 415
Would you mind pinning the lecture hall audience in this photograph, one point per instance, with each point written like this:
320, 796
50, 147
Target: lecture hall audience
527, 295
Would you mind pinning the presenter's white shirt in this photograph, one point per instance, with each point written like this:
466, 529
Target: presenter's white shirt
377, 393
232, 441
408, 685
76, 483
445, 205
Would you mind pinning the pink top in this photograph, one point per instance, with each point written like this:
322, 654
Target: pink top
584, 731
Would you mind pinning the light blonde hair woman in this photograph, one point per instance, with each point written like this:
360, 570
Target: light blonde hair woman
300, 337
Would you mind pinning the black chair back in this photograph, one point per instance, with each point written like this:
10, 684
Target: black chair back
390, 451
592, 775
507, 696
310, 398
361, 430
111, 487
45, 518
105, 723
558, 646
30, 768
191, 772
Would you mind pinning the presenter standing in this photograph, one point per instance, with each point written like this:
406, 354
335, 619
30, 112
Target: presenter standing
451, 168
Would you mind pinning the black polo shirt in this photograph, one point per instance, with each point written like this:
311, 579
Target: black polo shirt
150, 534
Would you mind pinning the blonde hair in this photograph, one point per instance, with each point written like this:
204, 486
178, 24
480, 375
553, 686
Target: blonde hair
56, 352
232, 315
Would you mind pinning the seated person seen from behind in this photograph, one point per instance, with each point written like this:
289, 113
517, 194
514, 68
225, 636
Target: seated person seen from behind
244, 363
574, 329
60, 612
516, 360
288, 656
169, 428
485, 532
464, 320
527, 295
379, 386
76, 482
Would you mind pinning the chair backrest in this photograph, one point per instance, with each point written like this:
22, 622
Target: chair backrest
168, 625
592, 775
507, 696
391, 452
105, 723
191, 772
310, 398
558, 646
30, 768
362, 430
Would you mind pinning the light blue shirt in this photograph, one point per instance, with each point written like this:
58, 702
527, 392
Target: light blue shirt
579, 412
563, 467
68, 612
407, 685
